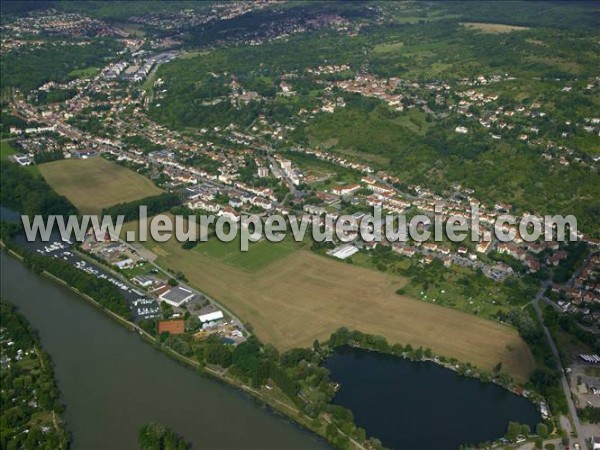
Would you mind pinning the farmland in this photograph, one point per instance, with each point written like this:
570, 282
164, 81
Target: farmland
93, 184
293, 299
493, 28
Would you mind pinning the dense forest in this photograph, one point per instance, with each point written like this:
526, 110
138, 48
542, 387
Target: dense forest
30, 195
29, 68
155, 204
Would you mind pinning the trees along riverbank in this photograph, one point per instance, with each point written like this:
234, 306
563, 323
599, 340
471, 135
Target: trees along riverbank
293, 383
248, 367
155, 436
31, 411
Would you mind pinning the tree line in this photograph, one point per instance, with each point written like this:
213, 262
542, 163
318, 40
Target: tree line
155, 436
104, 292
30, 195
29, 391
154, 204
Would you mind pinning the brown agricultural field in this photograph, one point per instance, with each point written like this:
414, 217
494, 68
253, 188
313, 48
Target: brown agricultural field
303, 296
95, 183
493, 28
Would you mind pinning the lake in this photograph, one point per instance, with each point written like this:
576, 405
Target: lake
111, 380
419, 405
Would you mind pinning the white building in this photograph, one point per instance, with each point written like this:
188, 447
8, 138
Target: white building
211, 317
343, 251
125, 264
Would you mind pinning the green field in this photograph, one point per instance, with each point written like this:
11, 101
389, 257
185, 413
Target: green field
6, 149
259, 255
492, 28
84, 73
455, 287
391, 47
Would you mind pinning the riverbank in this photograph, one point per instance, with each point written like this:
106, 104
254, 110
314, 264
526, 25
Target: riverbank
272, 398
322, 425
30, 408
97, 359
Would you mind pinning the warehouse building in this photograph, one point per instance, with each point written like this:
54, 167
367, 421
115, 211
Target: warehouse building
177, 296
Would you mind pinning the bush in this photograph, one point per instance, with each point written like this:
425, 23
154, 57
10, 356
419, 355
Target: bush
541, 430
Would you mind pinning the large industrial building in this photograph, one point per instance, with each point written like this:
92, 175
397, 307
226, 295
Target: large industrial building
177, 296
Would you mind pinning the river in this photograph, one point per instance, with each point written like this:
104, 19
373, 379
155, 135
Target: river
112, 382
421, 405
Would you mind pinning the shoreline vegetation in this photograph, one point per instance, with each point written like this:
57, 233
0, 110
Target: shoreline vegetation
32, 412
155, 436
306, 296
283, 407
267, 378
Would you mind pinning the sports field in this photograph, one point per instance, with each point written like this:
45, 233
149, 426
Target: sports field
260, 254
295, 297
93, 184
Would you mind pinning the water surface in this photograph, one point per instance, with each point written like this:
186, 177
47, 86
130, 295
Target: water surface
112, 382
420, 405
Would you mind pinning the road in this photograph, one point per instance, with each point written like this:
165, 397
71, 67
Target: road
563, 378
289, 183
580, 269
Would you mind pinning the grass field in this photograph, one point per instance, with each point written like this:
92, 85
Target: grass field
293, 296
456, 287
93, 184
259, 255
84, 73
390, 47
6, 150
